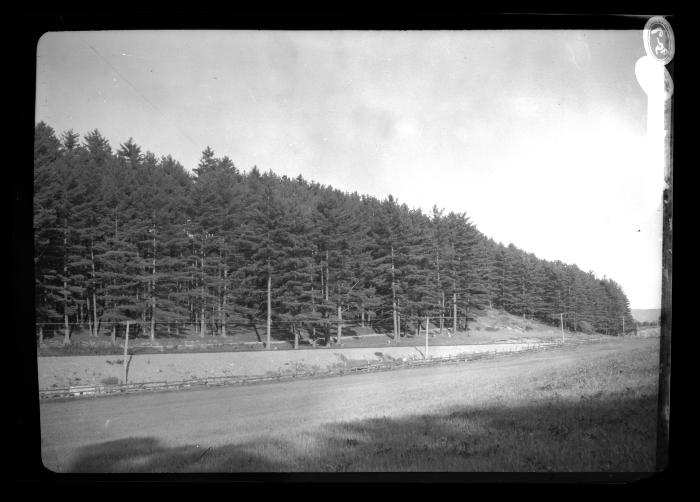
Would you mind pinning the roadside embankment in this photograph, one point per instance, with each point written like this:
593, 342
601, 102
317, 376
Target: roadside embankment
66, 371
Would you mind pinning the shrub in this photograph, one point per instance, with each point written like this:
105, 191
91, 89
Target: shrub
586, 327
110, 381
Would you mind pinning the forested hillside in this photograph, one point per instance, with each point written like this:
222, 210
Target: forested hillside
122, 235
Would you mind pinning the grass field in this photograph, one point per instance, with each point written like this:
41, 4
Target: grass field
590, 408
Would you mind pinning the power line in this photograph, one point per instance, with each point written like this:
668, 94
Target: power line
143, 96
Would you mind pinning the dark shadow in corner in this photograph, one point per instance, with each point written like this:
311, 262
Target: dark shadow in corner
150, 455
595, 435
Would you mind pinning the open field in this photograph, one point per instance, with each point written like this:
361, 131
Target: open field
588, 407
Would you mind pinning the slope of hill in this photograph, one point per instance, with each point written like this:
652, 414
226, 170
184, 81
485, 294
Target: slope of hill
646, 315
255, 235
486, 326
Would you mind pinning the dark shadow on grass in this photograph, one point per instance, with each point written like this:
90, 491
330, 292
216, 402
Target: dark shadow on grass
594, 434
150, 455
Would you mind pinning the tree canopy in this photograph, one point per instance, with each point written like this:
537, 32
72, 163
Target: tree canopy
123, 235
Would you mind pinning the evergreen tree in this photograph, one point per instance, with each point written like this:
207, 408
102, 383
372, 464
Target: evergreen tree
46, 226
126, 236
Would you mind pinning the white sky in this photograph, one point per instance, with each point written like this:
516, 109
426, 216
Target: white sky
539, 136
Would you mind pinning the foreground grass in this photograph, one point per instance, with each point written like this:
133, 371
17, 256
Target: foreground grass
590, 416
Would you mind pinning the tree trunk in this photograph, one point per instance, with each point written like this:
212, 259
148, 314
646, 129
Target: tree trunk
142, 324
41, 336
203, 327
269, 308
66, 334
454, 313
327, 274
362, 314
340, 325
94, 315
223, 304
153, 288
442, 297
427, 330
94, 286
442, 312
214, 326
89, 319
126, 348
114, 333
466, 316
296, 337
393, 297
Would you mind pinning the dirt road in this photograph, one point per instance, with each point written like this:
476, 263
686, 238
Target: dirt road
211, 417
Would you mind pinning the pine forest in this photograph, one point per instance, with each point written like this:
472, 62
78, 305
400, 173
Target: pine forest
121, 235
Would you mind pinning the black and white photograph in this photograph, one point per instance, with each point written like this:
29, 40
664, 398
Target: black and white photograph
354, 250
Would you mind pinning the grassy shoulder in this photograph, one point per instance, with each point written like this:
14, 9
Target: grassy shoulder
593, 413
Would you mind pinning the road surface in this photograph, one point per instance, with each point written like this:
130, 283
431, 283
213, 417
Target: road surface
217, 416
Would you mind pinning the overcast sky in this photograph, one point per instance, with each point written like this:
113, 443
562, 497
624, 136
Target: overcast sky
539, 136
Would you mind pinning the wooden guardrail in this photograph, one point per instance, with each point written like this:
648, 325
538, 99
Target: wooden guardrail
101, 390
